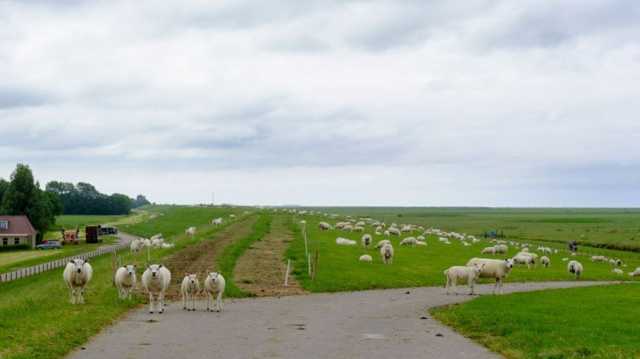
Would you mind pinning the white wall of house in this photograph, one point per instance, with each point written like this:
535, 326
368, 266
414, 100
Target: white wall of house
9, 241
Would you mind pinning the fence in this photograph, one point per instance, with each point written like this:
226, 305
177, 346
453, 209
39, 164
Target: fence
58, 263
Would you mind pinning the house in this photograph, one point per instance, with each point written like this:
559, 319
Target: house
16, 230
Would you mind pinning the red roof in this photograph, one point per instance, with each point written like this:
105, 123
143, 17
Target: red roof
18, 225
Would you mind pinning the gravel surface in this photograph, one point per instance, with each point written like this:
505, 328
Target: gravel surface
386, 324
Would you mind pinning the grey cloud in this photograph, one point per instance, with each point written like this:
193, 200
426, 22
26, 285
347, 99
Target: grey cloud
17, 98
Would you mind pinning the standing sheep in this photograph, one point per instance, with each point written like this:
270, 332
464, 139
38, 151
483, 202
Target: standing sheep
136, 245
524, 258
214, 285
545, 261
493, 268
324, 226
189, 288
125, 280
366, 240
345, 242
469, 274
387, 253
575, 267
77, 275
191, 231
409, 241
488, 250
382, 243
155, 281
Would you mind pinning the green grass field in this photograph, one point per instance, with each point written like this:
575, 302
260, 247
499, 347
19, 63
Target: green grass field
613, 228
340, 270
38, 320
592, 322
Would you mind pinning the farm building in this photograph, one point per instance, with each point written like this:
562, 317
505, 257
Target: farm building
16, 230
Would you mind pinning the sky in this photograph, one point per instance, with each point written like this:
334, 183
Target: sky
404, 103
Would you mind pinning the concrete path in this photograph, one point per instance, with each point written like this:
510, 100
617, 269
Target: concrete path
369, 324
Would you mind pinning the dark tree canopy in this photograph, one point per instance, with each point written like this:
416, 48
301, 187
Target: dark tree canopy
140, 201
84, 198
23, 196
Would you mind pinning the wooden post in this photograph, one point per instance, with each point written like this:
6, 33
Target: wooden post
286, 275
315, 266
309, 265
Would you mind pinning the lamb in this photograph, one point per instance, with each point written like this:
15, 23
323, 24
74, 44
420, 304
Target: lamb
125, 280
156, 280
77, 274
575, 267
493, 268
470, 274
545, 261
488, 250
324, 226
365, 258
191, 231
366, 240
189, 288
386, 251
382, 243
345, 242
214, 285
524, 258
409, 241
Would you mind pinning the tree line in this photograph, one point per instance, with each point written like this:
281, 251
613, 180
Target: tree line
22, 195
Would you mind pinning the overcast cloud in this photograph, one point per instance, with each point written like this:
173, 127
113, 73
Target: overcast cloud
476, 102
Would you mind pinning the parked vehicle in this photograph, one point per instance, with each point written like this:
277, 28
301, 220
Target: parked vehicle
49, 245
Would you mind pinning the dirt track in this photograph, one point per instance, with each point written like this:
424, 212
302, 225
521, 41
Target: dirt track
370, 324
261, 269
201, 258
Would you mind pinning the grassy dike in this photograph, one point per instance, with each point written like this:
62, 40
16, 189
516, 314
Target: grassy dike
36, 318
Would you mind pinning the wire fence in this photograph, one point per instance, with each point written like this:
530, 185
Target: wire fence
58, 263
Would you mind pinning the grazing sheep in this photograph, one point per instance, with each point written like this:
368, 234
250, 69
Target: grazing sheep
616, 262
618, 271
575, 267
501, 248
545, 261
524, 258
168, 245
409, 241
189, 288
146, 242
125, 280
324, 226
386, 252
77, 275
345, 242
217, 221
386, 233
469, 274
488, 250
156, 280
366, 240
365, 258
157, 242
394, 231
421, 243
214, 285
348, 228
136, 245
493, 268
232, 216
382, 243
599, 259
191, 231
420, 238
635, 273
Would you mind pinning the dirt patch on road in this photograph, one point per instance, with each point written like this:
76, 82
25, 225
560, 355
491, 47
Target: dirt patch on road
261, 268
202, 258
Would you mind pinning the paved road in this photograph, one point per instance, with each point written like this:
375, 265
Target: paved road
368, 324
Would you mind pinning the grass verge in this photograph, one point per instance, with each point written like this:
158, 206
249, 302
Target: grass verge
591, 322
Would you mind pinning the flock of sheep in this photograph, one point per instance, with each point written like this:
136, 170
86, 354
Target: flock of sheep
155, 279
475, 268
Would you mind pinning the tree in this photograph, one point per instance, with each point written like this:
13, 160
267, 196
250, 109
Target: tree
3, 188
84, 198
23, 196
140, 201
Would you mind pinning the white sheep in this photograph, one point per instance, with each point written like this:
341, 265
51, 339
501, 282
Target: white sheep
214, 284
421, 243
366, 240
524, 258
217, 221
386, 252
189, 288
77, 274
468, 274
501, 248
382, 243
393, 231
618, 271
156, 280
136, 245
493, 268
324, 226
545, 261
409, 241
635, 273
365, 258
191, 231
575, 267
125, 280
345, 242
488, 250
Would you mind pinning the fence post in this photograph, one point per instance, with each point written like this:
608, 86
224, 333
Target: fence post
286, 275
